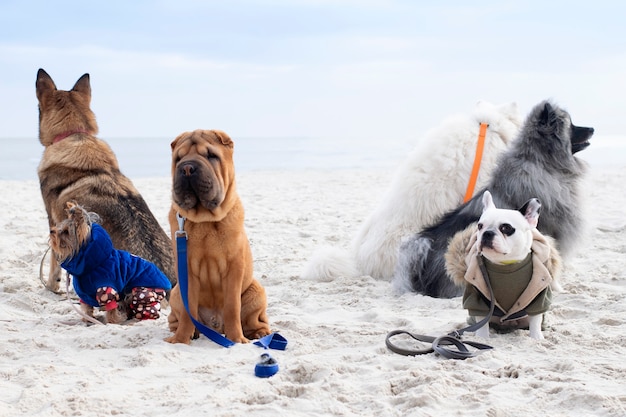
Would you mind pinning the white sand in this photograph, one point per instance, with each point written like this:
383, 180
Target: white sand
336, 362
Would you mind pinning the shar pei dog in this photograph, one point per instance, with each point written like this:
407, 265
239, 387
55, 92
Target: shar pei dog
222, 292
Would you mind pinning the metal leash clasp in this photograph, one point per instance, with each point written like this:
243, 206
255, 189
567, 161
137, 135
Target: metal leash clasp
456, 334
181, 226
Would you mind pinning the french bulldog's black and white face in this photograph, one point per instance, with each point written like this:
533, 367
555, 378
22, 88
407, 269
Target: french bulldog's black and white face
505, 236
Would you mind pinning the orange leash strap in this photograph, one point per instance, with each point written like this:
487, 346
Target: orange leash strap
477, 159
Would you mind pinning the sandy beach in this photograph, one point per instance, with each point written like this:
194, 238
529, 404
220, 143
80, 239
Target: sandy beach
336, 362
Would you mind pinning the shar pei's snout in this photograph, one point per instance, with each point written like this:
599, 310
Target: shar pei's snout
194, 183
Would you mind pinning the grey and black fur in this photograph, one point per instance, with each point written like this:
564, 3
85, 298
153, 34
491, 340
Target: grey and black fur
539, 164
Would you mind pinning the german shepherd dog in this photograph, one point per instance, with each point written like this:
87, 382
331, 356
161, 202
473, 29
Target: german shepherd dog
78, 166
539, 164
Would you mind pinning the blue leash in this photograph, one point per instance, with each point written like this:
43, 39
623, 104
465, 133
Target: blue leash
181, 247
271, 341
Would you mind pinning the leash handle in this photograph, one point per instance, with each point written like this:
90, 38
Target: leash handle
409, 352
181, 249
437, 344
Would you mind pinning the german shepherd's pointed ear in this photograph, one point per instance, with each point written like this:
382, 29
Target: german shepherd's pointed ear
83, 86
44, 84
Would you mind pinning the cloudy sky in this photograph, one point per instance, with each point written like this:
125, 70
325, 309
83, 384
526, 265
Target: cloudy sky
334, 68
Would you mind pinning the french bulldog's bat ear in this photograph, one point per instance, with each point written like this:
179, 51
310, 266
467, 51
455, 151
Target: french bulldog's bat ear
487, 201
531, 210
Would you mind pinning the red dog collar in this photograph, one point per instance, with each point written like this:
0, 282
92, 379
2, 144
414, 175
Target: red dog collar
61, 136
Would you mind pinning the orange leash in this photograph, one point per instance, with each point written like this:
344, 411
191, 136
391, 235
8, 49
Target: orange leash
477, 159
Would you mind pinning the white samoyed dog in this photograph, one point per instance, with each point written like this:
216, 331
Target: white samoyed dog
431, 181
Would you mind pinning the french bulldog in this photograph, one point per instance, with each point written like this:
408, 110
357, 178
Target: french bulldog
505, 237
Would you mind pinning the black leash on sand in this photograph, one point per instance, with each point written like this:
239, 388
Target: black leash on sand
440, 344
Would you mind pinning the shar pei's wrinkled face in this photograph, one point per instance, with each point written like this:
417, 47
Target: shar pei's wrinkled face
202, 169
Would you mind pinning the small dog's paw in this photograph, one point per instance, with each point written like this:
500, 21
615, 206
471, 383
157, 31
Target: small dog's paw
55, 287
54, 280
483, 332
534, 326
115, 316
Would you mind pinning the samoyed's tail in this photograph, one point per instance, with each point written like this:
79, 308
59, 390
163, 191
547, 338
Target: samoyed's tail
329, 263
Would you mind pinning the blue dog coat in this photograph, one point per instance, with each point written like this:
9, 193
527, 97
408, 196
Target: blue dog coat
98, 264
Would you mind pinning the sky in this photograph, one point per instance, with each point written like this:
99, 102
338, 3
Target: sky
351, 69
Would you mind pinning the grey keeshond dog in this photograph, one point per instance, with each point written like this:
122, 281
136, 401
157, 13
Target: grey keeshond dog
539, 164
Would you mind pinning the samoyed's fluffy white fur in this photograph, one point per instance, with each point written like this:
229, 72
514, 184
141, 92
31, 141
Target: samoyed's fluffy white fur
432, 181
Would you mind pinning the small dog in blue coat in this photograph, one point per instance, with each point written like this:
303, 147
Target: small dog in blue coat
124, 285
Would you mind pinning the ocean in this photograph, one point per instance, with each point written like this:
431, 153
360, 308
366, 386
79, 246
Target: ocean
150, 157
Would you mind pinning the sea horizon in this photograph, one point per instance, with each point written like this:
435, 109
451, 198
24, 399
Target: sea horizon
151, 157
